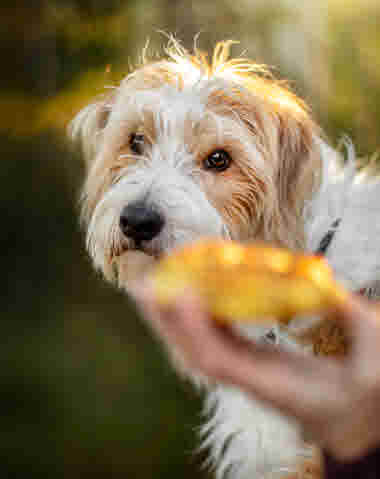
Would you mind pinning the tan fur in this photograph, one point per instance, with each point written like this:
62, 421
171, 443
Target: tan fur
327, 338
277, 120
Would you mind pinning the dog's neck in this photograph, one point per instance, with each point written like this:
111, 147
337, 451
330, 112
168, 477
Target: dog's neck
342, 220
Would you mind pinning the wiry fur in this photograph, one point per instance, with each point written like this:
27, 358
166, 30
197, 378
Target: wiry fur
285, 185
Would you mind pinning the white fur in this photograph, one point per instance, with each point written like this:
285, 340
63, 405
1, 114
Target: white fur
166, 175
249, 440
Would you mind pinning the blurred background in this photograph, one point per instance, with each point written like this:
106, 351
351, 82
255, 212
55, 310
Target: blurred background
87, 392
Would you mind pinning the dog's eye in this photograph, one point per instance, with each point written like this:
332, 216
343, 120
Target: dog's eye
219, 160
136, 142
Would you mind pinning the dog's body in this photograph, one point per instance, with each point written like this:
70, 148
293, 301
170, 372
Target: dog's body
184, 149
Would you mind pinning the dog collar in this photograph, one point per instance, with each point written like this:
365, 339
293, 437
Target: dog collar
324, 244
328, 237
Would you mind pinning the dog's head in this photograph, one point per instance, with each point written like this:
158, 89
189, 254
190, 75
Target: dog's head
186, 148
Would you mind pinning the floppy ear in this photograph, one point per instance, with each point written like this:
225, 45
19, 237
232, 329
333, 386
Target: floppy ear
299, 172
87, 126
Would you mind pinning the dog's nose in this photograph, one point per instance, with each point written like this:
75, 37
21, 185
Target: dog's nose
140, 222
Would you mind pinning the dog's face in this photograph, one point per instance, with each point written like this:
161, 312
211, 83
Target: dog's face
184, 149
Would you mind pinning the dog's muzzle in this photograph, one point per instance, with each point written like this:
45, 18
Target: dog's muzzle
140, 222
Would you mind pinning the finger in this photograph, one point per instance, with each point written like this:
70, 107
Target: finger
276, 376
168, 322
157, 317
362, 321
140, 290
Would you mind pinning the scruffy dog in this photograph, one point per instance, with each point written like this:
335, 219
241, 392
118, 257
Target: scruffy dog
185, 148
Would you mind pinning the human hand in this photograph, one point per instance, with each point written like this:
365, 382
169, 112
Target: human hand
337, 402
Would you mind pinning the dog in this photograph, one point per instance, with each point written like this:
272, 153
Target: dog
185, 148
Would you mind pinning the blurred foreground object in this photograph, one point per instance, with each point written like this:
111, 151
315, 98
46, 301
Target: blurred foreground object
249, 283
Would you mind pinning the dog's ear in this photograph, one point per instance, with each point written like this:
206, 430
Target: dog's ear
299, 170
87, 126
